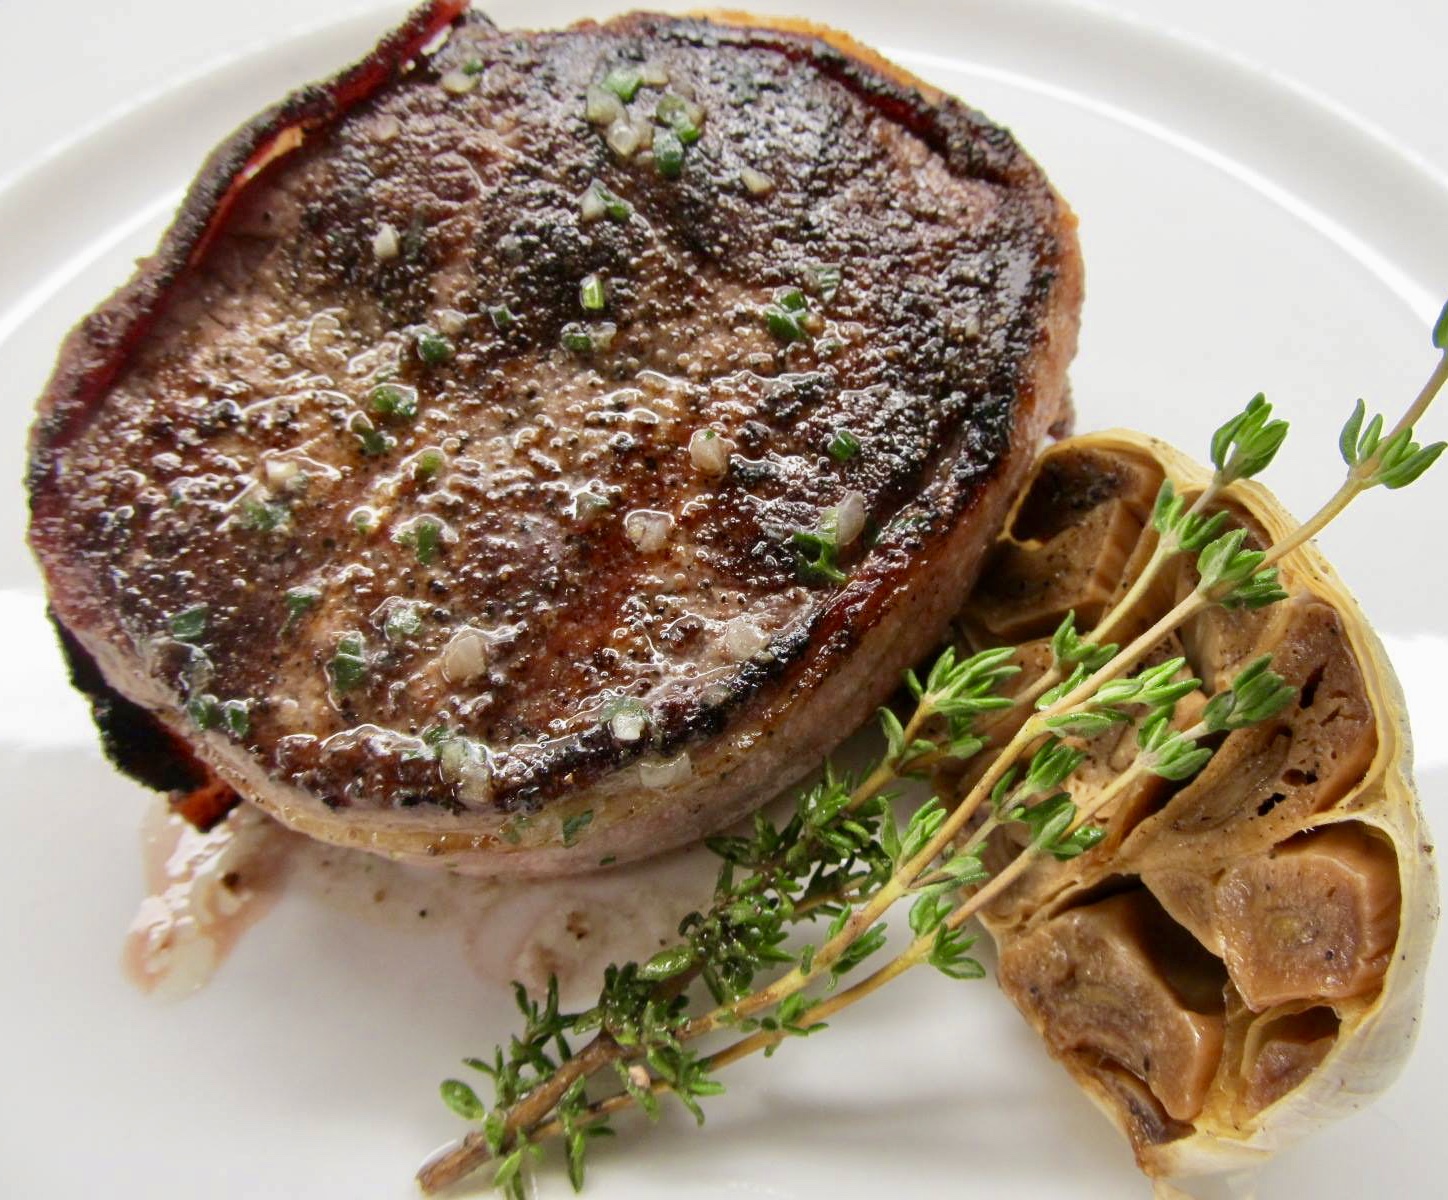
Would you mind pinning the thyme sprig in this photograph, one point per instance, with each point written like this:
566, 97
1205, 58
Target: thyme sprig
839, 845
843, 854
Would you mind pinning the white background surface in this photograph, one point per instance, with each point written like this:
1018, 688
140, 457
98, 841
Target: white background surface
99, 1092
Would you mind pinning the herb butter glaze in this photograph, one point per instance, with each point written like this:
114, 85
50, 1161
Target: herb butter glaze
359, 489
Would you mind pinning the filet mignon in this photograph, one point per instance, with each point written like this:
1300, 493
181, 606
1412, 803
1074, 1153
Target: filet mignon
527, 451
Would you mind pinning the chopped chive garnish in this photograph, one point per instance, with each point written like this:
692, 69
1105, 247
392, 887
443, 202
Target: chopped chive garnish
402, 622
427, 465
785, 317
474, 66
680, 115
668, 153
598, 201
371, 439
623, 82
576, 824
364, 521
843, 446
591, 295
424, 536
428, 534
205, 711
815, 557
348, 667
263, 516
783, 324
503, 317
190, 623
575, 337
394, 401
300, 600
236, 717
210, 713
434, 349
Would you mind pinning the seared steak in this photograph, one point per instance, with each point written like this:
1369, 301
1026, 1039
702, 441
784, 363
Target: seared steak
534, 450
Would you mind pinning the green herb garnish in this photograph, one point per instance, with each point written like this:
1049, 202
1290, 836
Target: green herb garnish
434, 350
424, 535
300, 601
503, 317
371, 439
679, 115
786, 316
591, 295
263, 516
575, 337
815, 554
348, 668
597, 200
623, 82
236, 716
207, 712
843, 446
403, 621
394, 401
668, 153
576, 824
427, 465
190, 623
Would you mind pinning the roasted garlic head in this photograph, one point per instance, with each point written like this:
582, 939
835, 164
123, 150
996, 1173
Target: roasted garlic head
1241, 959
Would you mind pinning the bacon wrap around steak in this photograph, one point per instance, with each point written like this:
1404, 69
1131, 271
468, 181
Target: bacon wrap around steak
352, 502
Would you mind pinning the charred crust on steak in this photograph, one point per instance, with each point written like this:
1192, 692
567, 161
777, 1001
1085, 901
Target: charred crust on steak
168, 401
142, 747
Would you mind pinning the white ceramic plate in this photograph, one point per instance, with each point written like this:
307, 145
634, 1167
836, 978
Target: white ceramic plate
1238, 237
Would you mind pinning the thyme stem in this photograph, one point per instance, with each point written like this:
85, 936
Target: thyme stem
912, 956
1360, 477
472, 1150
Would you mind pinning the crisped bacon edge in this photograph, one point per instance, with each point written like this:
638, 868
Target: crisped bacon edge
96, 351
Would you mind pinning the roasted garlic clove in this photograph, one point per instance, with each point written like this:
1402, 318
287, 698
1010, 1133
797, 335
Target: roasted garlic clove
1118, 981
1241, 959
1314, 918
1073, 541
1284, 1051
